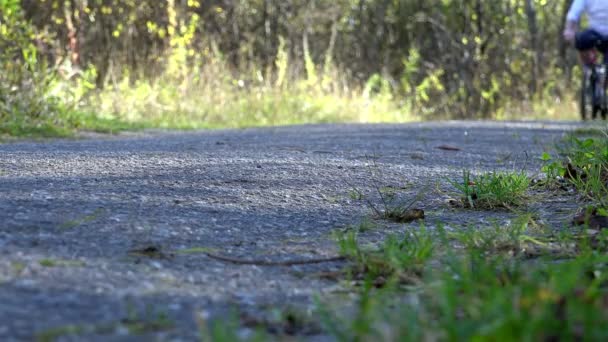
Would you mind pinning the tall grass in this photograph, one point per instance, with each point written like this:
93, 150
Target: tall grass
213, 97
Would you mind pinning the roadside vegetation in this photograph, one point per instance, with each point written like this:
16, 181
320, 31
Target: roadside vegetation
81, 65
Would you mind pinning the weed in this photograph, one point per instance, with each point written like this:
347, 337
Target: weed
392, 207
513, 240
399, 258
589, 160
586, 168
492, 190
553, 170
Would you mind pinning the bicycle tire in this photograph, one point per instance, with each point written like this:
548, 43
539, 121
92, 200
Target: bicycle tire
586, 96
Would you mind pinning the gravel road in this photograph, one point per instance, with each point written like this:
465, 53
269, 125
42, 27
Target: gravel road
106, 237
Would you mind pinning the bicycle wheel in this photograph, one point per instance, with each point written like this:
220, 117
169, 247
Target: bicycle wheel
585, 99
589, 105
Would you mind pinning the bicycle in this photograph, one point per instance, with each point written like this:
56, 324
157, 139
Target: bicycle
593, 90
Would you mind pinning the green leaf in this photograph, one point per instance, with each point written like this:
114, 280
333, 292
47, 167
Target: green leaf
588, 143
545, 157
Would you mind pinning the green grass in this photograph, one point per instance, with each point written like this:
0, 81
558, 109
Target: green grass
227, 105
64, 126
163, 106
488, 291
588, 158
492, 190
581, 162
399, 258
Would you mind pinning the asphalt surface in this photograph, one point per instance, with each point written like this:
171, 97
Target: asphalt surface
106, 237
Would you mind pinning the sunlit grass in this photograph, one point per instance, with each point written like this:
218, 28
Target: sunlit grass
235, 107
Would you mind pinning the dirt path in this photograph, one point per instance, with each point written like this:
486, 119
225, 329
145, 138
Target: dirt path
107, 237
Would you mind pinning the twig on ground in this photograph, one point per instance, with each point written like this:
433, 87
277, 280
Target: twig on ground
261, 262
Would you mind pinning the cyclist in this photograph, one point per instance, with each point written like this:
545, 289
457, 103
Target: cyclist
588, 42
595, 37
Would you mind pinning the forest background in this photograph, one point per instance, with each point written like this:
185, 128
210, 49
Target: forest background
111, 64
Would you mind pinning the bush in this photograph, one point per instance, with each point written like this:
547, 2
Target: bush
25, 104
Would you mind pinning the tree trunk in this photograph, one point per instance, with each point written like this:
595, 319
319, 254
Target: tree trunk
563, 45
534, 45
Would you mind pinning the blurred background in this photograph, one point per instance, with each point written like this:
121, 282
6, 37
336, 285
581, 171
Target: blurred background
113, 64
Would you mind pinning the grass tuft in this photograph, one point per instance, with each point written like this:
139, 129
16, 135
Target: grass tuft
492, 190
398, 258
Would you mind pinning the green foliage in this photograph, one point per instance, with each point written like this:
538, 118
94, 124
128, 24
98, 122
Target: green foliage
399, 258
513, 239
492, 190
25, 101
422, 58
34, 100
484, 294
588, 167
167, 63
552, 169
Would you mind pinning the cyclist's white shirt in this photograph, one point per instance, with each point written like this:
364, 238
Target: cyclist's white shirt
597, 13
